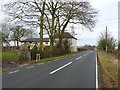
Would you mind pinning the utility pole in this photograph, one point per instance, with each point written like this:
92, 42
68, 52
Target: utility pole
106, 39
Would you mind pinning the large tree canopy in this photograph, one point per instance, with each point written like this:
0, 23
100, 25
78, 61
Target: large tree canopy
51, 16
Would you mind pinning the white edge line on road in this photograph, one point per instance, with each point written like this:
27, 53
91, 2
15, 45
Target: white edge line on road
13, 72
61, 68
96, 74
30, 67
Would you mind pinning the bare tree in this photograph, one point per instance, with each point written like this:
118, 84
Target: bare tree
60, 14
75, 12
5, 34
52, 16
30, 13
17, 33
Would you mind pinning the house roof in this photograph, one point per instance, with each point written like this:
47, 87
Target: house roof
35, 40
65, 35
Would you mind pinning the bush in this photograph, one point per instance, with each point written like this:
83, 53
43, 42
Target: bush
35, 51
24, 53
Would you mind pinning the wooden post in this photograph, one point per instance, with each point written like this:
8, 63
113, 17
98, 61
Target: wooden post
106, 39
37, 57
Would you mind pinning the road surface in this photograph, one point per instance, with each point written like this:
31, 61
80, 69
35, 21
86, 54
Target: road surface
77, 71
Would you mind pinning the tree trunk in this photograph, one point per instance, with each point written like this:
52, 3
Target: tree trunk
60, 40
41, 34
41, 26
17, 44
51, 45
52, 34
61, 33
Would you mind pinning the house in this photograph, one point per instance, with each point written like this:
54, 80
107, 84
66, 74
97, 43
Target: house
46, 41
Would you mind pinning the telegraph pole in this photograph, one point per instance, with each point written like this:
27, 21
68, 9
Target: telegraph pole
106, 39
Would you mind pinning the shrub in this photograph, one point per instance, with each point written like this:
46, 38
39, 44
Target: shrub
24, 53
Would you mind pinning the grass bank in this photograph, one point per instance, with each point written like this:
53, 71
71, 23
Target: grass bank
109, 69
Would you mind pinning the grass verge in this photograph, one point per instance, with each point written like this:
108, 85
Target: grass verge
52, 58
109, 69
10, 56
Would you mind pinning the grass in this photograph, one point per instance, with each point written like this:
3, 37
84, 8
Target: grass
9, 56
52, 58
13, 57
109, 67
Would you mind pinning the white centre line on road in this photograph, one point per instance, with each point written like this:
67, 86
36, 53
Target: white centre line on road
78, 58
40, 63
23, 65
30, 67
49, 61
61, 68
55, 59
13, 72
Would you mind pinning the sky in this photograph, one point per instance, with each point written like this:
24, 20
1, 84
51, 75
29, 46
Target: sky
107, 16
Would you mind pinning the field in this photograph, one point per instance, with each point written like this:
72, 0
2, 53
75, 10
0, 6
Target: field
109, 68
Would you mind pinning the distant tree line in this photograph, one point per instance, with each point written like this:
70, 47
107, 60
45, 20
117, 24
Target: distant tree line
86, 47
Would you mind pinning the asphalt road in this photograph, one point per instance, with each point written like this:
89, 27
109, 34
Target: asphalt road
77, 71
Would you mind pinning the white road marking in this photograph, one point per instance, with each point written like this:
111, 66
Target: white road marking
40, 63
49, 61
23, 65
79, 58
61, 68
56, 59
14, 72
96, 74
84, 55
30, 67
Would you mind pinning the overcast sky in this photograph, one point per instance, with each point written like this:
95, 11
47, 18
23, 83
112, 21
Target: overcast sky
108, 16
